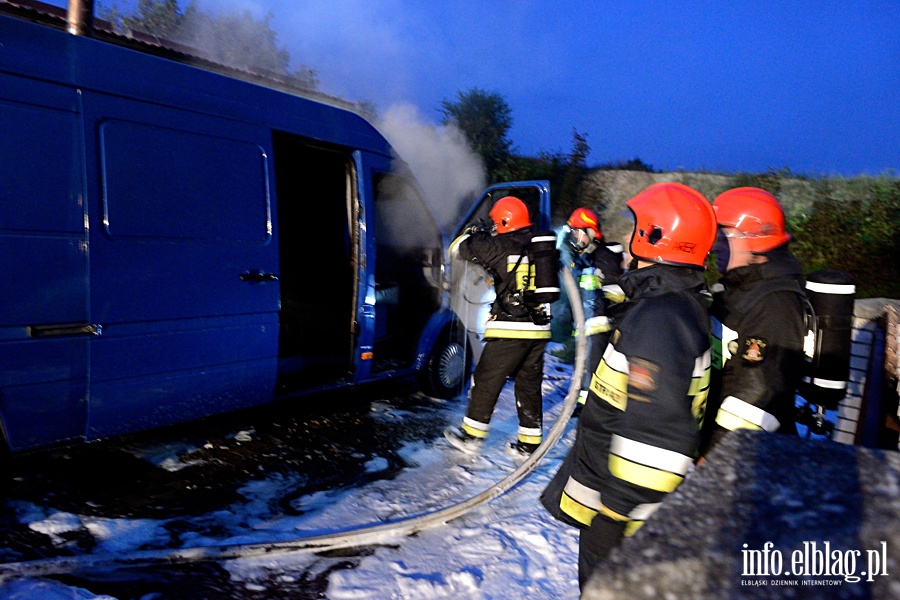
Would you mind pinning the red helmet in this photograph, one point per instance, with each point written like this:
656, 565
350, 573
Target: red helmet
756, 214
674, 225
509, 213
585, 218
583, 229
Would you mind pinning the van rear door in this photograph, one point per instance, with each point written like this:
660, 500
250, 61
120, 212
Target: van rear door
44, 324
184, 265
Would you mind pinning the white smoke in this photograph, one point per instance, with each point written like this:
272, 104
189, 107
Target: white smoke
450, 174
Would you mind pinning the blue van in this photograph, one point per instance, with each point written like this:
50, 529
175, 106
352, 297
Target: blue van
178, 243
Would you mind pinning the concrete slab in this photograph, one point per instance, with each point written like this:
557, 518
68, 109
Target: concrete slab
768, 516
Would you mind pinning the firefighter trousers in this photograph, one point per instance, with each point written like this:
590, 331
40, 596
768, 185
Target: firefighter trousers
503, 359
595, 544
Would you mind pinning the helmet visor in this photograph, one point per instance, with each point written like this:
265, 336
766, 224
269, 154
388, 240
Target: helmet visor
579, 239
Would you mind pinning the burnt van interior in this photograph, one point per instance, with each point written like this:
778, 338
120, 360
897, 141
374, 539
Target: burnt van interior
319, 246
317, 261
407, 251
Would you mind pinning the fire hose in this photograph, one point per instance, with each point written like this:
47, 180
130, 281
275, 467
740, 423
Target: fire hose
361, 536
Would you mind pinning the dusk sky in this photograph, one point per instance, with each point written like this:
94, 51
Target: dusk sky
723, 86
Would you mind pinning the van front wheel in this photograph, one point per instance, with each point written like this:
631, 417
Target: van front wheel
448, 368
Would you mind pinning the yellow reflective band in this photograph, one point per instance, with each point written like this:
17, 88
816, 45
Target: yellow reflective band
632, 524
614, 293
732, 422
531, 439
476, 428
517, 335
517, 330
648, 477
583, 494
531, 435
474, 432
596, 325
454, 245
652, 456
699, 384
698, 406
590, 282
744, 411
610, 385
513, 259
613, 514
577, 511
632, 528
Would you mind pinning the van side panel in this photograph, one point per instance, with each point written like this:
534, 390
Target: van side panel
158, 269
183, 265
43, 358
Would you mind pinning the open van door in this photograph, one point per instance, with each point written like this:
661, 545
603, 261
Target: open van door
472, 291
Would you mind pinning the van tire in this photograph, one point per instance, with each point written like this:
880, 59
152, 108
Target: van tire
449, 367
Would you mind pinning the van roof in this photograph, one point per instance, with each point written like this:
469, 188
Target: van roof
155, 70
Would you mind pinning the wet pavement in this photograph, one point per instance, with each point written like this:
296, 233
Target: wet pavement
183, 475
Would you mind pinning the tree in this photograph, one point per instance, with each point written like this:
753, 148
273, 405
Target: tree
485, 119
576, 169
163, 19
635, 164
251, 44
859, 235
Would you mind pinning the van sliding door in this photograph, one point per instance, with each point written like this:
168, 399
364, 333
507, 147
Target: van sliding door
183, 263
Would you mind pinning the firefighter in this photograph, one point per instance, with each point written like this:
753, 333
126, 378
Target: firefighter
638, 433
517, 331
596, 266
759, 320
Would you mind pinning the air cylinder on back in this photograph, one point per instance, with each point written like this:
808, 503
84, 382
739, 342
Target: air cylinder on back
543, 257
832, 295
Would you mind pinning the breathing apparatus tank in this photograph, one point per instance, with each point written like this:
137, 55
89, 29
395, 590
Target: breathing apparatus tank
831, 295
543, 258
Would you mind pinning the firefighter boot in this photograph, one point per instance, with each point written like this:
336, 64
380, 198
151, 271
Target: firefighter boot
521, 449
461, 440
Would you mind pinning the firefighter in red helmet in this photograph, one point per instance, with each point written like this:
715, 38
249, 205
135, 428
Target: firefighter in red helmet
518, 329
596, 266
639, 430
758, 320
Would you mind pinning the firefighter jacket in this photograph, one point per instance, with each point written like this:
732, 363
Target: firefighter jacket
639, 431
759, 323
597, 273
505, 258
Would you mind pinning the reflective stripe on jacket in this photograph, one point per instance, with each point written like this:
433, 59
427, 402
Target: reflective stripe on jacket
639, 431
